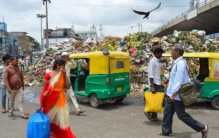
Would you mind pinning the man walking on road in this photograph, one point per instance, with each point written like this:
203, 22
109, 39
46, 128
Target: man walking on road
68, 66
5, 59
179, 75
14, 82
154, 76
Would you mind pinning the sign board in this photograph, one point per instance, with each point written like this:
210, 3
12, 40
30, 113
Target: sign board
59, 33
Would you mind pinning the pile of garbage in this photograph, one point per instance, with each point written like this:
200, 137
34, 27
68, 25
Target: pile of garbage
191, 41
139, 46
35, 72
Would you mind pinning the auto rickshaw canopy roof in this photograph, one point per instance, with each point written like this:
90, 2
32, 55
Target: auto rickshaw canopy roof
99, 54
211, 55
213, 61
104, 64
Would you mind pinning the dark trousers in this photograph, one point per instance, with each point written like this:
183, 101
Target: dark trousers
157, 88
172, 106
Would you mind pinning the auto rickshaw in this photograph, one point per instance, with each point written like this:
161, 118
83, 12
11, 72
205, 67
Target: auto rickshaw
208, 75
101, 77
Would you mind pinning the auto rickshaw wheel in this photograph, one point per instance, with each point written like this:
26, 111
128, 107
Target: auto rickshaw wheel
120, 100
94, 101
215, 102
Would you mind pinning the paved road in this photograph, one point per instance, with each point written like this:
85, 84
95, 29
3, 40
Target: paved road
118, 121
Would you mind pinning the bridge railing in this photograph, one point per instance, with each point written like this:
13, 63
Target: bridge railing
199, 4
202, 3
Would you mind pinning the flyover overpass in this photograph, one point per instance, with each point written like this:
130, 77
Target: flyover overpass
204, 17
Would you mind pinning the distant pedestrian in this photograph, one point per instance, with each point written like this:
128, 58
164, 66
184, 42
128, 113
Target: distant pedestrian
179, 75
14, 81
5, 59
68, 66
22, 64
154, 76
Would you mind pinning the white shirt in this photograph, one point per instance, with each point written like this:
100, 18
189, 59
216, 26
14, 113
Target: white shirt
68, 66
154, 70
179, 75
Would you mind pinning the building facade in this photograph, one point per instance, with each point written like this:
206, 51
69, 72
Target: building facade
3, 37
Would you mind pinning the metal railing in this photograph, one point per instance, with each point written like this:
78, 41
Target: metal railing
202, 3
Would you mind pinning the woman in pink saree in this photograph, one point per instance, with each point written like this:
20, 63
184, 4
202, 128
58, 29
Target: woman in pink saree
54, 103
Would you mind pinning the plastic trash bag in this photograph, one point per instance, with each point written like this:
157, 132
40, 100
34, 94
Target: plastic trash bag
154, 102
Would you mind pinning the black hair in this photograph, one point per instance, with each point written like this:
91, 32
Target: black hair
179, 49
156, 50
58, 62
6, 57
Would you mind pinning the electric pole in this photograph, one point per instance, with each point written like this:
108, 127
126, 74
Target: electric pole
41, 17
139, 27
45, 2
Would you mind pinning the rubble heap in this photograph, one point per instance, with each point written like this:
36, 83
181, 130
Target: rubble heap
139, 46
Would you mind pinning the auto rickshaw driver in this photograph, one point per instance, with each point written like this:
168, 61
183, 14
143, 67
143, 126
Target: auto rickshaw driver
83, 73
85, 67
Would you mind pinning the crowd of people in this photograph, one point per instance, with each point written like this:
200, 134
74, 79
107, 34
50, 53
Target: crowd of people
57, 89
12, 87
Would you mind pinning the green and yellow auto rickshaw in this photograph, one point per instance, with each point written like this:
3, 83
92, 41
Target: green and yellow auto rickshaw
101, 77
207, 74
205, 68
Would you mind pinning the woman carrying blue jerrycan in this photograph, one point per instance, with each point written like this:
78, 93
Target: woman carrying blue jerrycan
38, 126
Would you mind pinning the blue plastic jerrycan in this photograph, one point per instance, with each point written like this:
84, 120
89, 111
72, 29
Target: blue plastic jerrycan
38, 126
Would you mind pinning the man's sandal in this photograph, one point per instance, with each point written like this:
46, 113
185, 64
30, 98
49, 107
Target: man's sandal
4, 111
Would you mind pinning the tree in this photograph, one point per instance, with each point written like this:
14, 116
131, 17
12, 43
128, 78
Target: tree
27, 44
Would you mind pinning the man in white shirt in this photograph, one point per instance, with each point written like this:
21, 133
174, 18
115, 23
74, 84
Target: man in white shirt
68, 66
154, 70
179, 75
154, 76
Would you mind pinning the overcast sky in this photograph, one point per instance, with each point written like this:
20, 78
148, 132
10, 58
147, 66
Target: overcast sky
116, 16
